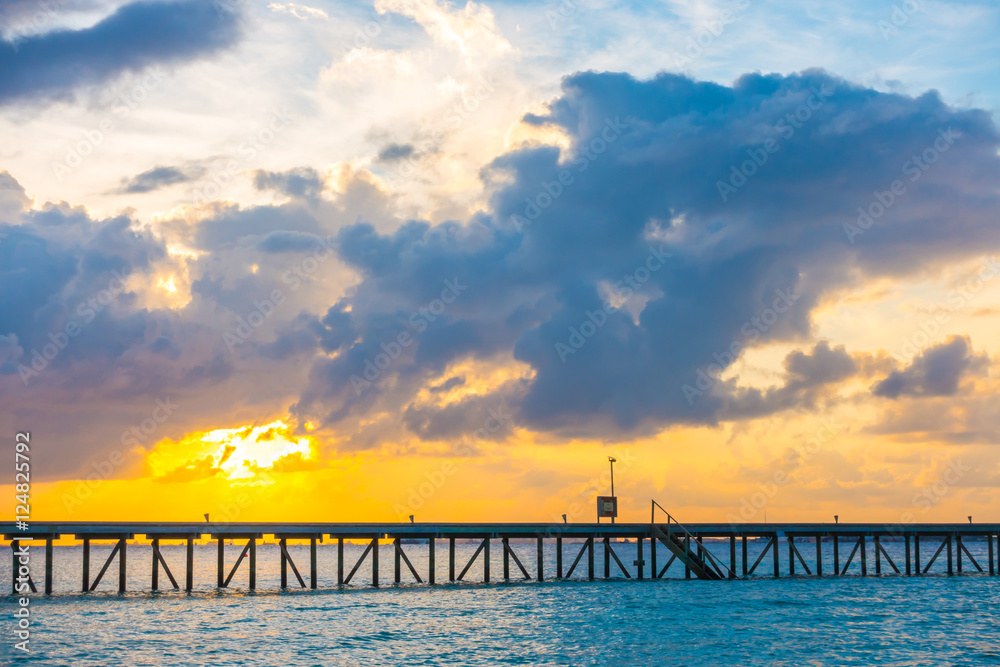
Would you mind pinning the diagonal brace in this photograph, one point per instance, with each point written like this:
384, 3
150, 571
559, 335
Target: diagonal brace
371, 545
399, 550
158, 556
770, 543
236, 565
472, 560
107, 563
517, 561
288, 559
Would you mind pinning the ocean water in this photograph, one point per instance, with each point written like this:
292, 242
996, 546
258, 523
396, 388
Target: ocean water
886, 620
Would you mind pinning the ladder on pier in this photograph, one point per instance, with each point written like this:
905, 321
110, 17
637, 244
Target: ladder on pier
679, 541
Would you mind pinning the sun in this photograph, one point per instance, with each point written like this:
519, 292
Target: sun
240, 453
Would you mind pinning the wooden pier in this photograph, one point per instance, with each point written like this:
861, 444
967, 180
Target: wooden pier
681, 544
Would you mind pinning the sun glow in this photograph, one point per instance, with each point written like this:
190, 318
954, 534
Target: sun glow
232, 453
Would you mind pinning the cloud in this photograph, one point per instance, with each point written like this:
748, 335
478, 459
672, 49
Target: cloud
52, 65
569, 233
935, 372
159, 177
303, 182
394, 152
472, 30
807, 375
302, 12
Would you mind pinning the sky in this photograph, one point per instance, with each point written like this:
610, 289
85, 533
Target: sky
355, 262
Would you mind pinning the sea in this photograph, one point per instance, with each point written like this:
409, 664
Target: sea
889, 619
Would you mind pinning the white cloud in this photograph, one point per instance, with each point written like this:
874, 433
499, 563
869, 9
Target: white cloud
303, 12
472, 31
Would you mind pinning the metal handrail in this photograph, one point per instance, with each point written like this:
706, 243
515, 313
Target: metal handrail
703, 549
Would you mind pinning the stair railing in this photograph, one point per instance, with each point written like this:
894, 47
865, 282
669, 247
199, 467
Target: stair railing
671, 521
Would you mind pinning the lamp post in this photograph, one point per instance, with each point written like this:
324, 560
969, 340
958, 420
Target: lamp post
612, 461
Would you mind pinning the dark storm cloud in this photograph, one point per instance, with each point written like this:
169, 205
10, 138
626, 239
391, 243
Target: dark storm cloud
569, 230
935, 372
159, 177
138, 35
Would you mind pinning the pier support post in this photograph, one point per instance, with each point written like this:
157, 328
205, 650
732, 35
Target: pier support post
777, 565
559, 568
819, 555
958, 551
506, 559
253, 563
189, 584
836, 555
864, 556
396, 559
744, 555
156, 565
950, 569
282, 545
375, 562
86, 564
222, 562
607, 557
121, 565
989, 542
451, 559
906, 539
652, 557
540, 555
640, 564
313, 565
340, 561
486, 561
732, 556
878, 555
687, 548
916, 554
791, 555
590, 558
48, 566
431, 566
